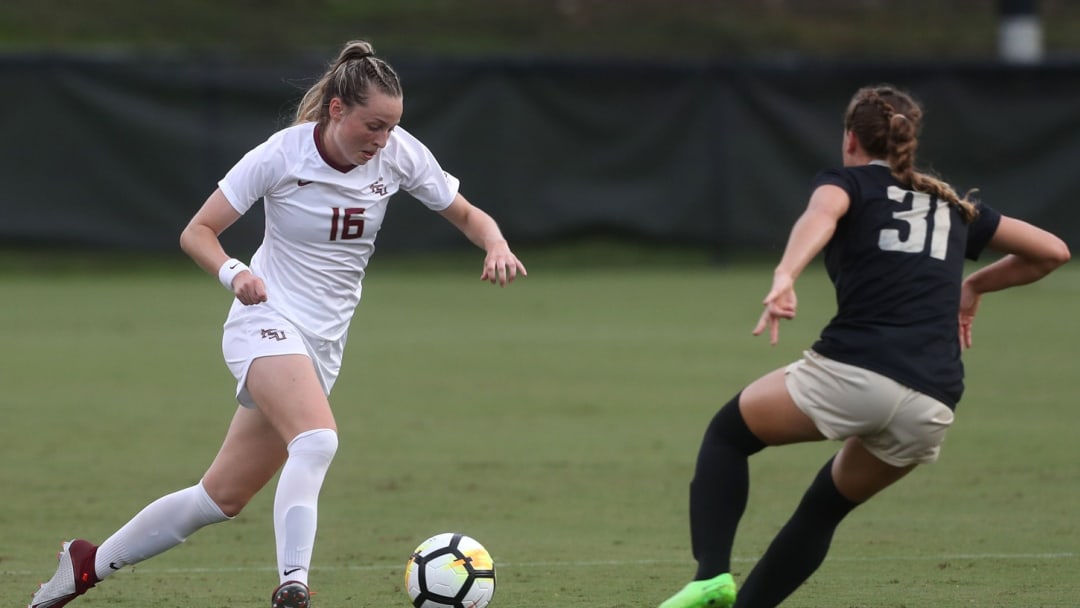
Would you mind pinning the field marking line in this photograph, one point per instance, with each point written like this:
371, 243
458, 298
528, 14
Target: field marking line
599, 563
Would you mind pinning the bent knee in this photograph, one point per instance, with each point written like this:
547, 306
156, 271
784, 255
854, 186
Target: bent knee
319, 443
233, 509
230, 501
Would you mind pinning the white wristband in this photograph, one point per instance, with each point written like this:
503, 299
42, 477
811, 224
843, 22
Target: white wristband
229, 270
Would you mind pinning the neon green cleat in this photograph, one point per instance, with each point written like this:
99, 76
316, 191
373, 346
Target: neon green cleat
718, 592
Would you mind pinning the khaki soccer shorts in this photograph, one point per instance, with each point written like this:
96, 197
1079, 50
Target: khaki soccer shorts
259, 331
899, 425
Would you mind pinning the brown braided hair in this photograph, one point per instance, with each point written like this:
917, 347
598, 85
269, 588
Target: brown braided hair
351, 77
887, 122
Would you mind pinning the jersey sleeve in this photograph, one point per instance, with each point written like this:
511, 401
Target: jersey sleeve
839, 178
981, 230
254, 175
421, 175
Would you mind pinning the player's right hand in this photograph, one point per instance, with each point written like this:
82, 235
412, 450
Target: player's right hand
969, 307
248, 288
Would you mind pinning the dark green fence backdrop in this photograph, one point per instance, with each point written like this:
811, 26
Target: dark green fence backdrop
118, 151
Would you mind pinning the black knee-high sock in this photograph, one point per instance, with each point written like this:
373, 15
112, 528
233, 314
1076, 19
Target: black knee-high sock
800, 547
719, 489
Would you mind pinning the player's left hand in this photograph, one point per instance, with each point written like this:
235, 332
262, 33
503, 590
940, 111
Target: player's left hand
780, 303
501, 265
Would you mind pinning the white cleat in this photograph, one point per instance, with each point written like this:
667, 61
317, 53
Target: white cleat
74, 575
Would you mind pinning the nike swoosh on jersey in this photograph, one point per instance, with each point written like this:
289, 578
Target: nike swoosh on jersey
303, 182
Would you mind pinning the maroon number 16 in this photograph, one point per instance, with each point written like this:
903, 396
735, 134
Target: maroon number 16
346, 223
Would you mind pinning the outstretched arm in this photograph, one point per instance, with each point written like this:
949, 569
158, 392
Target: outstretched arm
500, 264
1032, 254
809, 236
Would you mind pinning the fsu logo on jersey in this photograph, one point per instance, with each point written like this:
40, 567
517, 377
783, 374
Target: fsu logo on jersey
378, 187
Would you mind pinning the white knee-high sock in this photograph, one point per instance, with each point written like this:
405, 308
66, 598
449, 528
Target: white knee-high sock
160, 526
296, 501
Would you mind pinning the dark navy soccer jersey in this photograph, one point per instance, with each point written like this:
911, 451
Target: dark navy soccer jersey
897, 261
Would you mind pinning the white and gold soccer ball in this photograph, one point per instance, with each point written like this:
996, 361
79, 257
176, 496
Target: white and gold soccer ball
450, 570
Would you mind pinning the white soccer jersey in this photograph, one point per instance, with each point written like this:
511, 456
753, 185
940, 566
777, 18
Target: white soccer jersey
321, 222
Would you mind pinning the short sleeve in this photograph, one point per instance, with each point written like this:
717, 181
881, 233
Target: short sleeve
981, 230
421, 175
840, 179
254, 175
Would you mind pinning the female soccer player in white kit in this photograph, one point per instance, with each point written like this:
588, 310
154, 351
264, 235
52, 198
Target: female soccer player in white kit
325, 182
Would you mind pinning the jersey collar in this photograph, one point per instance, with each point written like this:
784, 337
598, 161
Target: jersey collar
325, 156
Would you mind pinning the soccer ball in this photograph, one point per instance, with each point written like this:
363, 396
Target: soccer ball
450, 570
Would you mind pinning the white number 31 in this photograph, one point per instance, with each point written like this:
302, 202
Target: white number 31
917, 218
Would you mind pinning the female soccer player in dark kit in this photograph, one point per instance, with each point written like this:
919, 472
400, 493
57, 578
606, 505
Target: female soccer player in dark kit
885, 376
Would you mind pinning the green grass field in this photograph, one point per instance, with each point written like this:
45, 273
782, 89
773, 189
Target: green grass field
555, 421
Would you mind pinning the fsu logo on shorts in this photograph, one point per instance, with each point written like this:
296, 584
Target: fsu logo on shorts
273, 334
